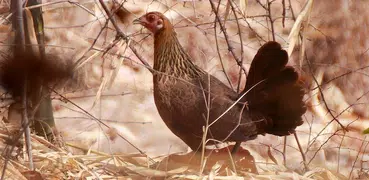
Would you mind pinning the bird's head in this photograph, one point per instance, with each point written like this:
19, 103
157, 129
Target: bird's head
154, 22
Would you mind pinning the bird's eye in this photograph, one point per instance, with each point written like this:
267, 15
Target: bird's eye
150, 18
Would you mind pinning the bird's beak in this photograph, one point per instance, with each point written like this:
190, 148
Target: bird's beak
137, 21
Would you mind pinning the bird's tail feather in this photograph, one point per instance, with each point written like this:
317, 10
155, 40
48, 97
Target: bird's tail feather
275, 92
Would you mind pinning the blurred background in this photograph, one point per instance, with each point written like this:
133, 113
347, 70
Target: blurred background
326, 40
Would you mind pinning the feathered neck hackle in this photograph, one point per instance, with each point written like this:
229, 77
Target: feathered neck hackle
169, 55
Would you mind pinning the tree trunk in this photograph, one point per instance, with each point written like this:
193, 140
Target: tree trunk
44, 120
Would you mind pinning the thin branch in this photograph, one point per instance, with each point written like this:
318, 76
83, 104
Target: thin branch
8, 151
292, 13
270, 18
220, 56
112, 20
101, 122
25, 123
206, 129
358, 153
120, 34
19, 26
339, 114
241, 44
339, 152
322, 96
283, 12
284, 150
230, 48
325, 142
301, 151
20, 40
262, 5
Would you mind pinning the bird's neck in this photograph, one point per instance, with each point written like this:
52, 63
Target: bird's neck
171, 58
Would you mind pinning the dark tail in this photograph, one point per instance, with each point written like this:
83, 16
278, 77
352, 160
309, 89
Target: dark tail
275, 92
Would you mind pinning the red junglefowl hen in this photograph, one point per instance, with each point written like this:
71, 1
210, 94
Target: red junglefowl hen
189, 99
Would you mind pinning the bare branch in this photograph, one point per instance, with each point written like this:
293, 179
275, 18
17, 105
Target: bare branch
230, 48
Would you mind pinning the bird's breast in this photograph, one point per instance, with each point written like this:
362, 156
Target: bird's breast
178, 101
177, 95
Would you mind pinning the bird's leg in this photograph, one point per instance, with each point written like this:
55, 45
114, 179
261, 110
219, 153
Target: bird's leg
235, 149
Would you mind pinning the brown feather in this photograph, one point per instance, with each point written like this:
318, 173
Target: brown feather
38, 71
189, 99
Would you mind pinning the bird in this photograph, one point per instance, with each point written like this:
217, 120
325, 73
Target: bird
201, 110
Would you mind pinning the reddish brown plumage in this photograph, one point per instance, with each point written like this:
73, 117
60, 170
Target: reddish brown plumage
188, 98
39, 72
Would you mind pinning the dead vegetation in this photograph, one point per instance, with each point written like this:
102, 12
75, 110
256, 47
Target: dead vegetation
108, 127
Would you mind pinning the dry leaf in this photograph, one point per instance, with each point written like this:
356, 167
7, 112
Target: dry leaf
295, 31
